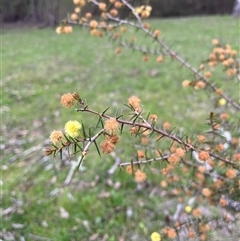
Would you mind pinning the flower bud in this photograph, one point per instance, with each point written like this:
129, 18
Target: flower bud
48, 151
76, 96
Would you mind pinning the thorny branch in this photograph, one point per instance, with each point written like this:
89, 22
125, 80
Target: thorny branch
187, 146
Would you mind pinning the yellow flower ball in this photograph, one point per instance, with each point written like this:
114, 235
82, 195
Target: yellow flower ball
222, 101
59, 30
155, 236
188, 209
72, 128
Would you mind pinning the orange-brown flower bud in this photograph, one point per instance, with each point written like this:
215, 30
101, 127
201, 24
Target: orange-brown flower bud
208, 74
166, 125
140, 176
200, 85
67, 29
146, 25
203, 155
48, 151
118, 50
113, 138
218, 91
206, 192
76, 96
67, 100
231, 173
215, 41
156, 33
134, 101
111, 125
88, 15
74, 16
201, 138
114, 12
77, 10
93, 24
107, 147
102, 6
140, 154
129, 169
118, 4
159, 59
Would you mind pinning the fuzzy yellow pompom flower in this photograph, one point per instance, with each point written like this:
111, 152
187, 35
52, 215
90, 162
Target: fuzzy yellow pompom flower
155, 236
143, 11
222, 101
59, 30
72, 128
138, 10
188, 209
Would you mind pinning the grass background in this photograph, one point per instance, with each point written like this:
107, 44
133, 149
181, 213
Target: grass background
38, 66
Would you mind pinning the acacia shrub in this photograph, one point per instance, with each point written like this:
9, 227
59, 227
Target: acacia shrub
209, 160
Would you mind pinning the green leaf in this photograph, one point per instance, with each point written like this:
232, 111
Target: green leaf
79, 164
79, 146
77, 151
75, 148
159, 138
60, 154
105, 111
54, 146
54, 153
132, 166
67, 138
130, 107
148, 115
100, 121
95, 143
72, 139
135, 119
84, 131
90, 133
119, 117
121, 128
172, 130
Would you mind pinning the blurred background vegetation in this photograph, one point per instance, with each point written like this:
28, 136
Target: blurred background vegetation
50, 12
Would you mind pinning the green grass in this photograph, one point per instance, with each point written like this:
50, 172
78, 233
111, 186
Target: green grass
38, 67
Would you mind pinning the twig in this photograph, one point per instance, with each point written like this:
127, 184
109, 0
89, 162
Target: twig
145, 161
140, 116
86, 148
91, 140
163, 133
